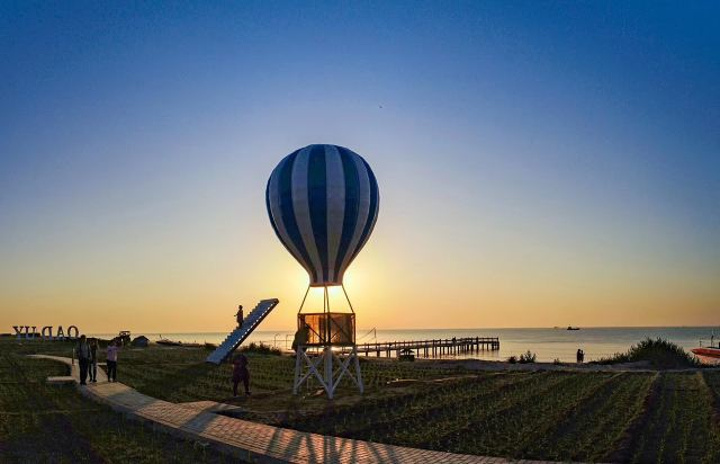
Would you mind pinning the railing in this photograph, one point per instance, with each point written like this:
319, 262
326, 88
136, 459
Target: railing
433, 347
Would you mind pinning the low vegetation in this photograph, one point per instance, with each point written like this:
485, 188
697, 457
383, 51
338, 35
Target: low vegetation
525, 358
658, 353
552, 415
677, 423
261, 348
51, 423
614, 416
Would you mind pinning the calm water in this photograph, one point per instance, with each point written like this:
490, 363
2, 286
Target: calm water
548, 344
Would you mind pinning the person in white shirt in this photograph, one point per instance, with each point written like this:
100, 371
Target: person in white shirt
112, 351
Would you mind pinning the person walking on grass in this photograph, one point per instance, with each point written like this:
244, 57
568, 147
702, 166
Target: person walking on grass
84, 354
93, 359
112, 351
240, 373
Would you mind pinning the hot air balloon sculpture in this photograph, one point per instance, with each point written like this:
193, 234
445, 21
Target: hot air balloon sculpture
323, 203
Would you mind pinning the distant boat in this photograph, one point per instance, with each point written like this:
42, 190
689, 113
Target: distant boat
573, 328
708, 354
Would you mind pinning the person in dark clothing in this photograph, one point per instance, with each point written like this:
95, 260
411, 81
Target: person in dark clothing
93, 359
239, 316
240, 373
84, 354
301, 338
580, 356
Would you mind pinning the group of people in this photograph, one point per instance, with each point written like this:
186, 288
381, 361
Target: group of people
240, 362
86, 352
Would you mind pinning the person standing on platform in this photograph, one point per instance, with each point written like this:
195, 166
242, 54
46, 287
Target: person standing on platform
93, 360
241, 373
301, 337
239, 316
112, 351
83, 353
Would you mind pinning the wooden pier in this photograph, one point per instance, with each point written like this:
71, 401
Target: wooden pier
432, 348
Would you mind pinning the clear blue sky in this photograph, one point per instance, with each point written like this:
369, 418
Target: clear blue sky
538, 161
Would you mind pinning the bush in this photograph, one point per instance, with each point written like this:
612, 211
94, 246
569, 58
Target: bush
527, 358
660, 353
512, 360
557, 361
260, 348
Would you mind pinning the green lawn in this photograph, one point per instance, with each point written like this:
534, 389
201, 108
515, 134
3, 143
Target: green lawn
584, 416
44, 423
641, 417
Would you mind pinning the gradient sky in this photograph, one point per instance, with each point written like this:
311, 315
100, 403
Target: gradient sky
540, 163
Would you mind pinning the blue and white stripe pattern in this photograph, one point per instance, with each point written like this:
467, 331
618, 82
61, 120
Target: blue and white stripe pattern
323, 202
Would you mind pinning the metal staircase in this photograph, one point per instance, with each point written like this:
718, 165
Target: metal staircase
239, 335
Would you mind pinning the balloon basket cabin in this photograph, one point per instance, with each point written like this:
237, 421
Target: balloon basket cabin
329, 352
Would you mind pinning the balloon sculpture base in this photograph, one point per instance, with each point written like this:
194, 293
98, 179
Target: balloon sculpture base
328, 367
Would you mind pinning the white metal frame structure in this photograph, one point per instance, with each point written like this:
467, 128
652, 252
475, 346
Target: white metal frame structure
334, 365
326, 361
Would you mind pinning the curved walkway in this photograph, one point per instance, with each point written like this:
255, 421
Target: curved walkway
256, 442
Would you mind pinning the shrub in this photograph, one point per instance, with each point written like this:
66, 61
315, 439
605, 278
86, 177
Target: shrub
660, 353
557, 361
260, 348
512, 360
527, 358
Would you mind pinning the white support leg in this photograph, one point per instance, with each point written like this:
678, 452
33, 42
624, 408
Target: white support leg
328, 384
330, 377
358, 374
303, 361
296, 382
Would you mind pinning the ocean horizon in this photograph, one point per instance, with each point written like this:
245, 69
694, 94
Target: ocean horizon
547, 343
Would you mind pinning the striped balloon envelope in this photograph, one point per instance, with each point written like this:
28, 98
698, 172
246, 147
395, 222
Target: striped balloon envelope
323, 202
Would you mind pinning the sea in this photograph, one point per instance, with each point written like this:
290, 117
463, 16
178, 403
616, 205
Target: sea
548, 344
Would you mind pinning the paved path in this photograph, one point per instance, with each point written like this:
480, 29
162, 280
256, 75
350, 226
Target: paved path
74, 368
258, 442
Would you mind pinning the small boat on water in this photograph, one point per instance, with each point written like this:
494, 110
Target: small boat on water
708, 354
573, 328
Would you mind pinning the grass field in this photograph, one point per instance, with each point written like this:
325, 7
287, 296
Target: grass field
660, 416
41, 423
